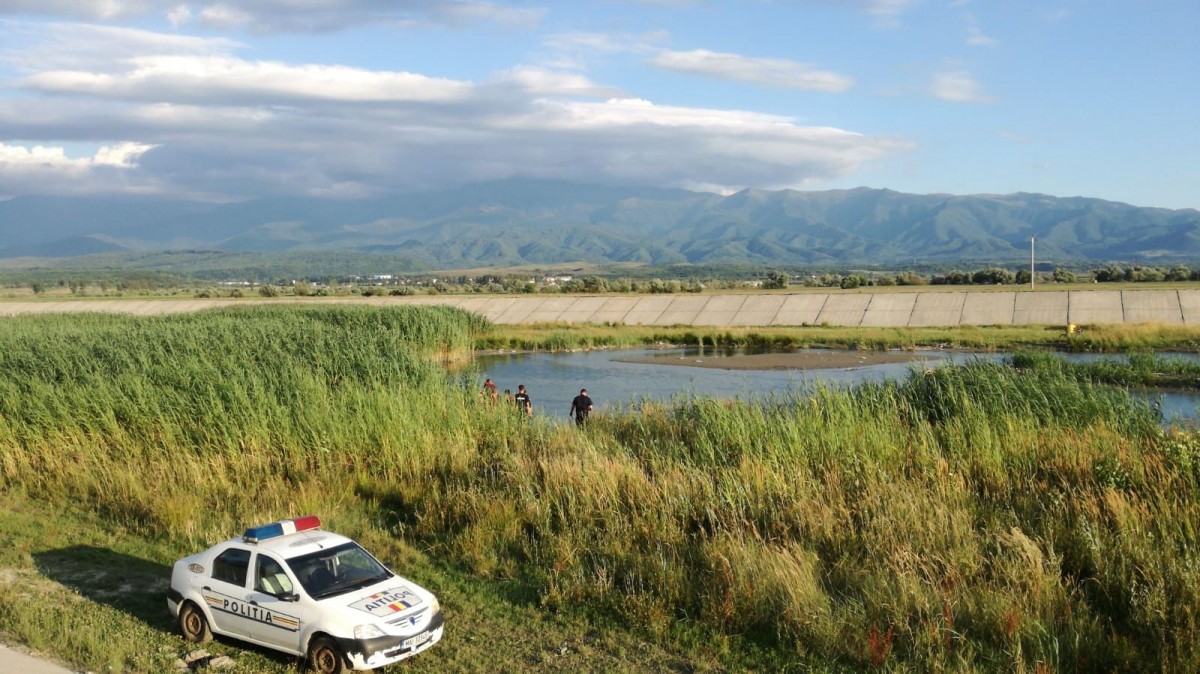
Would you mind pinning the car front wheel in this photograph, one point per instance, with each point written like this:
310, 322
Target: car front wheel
193, 624
324, 657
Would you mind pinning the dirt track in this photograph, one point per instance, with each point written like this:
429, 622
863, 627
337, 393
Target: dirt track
16, 661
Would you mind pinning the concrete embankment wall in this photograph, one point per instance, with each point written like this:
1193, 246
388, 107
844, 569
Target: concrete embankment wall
875, 309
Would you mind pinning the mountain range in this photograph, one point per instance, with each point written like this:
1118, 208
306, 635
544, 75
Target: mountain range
514, 222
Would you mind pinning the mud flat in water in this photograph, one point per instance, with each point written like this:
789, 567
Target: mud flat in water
802, 360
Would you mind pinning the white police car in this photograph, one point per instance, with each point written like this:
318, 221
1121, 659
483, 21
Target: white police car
293, 587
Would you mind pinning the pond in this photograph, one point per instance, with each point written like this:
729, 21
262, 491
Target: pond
620, 377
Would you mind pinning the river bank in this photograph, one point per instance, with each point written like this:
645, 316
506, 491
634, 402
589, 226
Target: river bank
1090, 339
798, 360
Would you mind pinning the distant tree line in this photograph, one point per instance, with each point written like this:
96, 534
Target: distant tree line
1136, 273
140, 282
1001, 276
773, 279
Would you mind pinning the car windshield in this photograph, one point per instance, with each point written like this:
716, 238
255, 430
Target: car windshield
335, 571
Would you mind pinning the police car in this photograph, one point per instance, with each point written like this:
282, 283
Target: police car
294, 587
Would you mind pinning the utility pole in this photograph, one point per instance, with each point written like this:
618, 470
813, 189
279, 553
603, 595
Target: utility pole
1031, 265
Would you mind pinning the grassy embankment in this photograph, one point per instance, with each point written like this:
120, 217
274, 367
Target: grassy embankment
1099, 338
972, 519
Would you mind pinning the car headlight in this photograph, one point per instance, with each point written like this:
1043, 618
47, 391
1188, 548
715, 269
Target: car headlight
370, 631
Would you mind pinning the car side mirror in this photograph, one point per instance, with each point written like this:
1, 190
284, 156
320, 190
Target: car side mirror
292, 596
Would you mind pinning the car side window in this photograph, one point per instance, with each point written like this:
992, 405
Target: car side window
269, 577
232, 566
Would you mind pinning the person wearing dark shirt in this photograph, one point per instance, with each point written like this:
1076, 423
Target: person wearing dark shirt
522, 400
581, 406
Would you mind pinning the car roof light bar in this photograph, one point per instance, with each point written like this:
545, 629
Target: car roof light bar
281, 528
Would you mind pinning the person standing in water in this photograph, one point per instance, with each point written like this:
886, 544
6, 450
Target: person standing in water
581, 407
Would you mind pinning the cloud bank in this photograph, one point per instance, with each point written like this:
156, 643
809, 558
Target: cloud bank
191, 117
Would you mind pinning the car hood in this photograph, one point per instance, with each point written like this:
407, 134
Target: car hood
389, 601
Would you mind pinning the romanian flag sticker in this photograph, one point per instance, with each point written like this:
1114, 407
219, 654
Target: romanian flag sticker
388, 602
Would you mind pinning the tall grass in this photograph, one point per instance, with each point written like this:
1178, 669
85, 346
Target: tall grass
132, 407
1145, 370
978, 519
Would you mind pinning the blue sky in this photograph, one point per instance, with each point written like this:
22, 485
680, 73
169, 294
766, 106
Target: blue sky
233, 99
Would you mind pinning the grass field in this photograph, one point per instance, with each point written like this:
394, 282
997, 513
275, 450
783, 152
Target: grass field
984, 518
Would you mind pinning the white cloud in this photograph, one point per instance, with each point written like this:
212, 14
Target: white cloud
120, 155
552, 82
770, 72
606, 43
200, 78
98, 48
226, 127
957, 86
286, 15
635, 141
224, 16
25, 170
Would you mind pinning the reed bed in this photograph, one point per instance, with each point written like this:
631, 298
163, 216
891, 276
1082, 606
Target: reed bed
1142, 370
979, 518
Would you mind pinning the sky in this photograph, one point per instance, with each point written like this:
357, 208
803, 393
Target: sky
225, 100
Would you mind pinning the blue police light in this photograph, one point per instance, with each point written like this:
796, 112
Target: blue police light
262, 533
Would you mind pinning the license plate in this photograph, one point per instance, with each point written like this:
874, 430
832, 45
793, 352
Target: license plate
416, 641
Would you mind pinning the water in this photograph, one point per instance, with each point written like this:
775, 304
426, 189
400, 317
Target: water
553, 379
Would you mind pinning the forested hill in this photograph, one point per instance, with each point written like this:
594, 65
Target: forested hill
523, 221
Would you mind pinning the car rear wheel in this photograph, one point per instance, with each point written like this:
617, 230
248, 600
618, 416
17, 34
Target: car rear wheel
324, 657
193, 624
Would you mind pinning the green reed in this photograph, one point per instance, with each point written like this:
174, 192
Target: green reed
979, 518
1145, 370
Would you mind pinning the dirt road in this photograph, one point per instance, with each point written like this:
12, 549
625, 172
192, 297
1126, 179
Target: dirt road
16, 662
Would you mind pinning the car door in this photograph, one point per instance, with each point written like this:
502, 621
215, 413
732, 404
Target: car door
274, 605
225, 591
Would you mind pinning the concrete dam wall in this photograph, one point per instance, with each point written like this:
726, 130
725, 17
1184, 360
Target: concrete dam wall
926, 308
